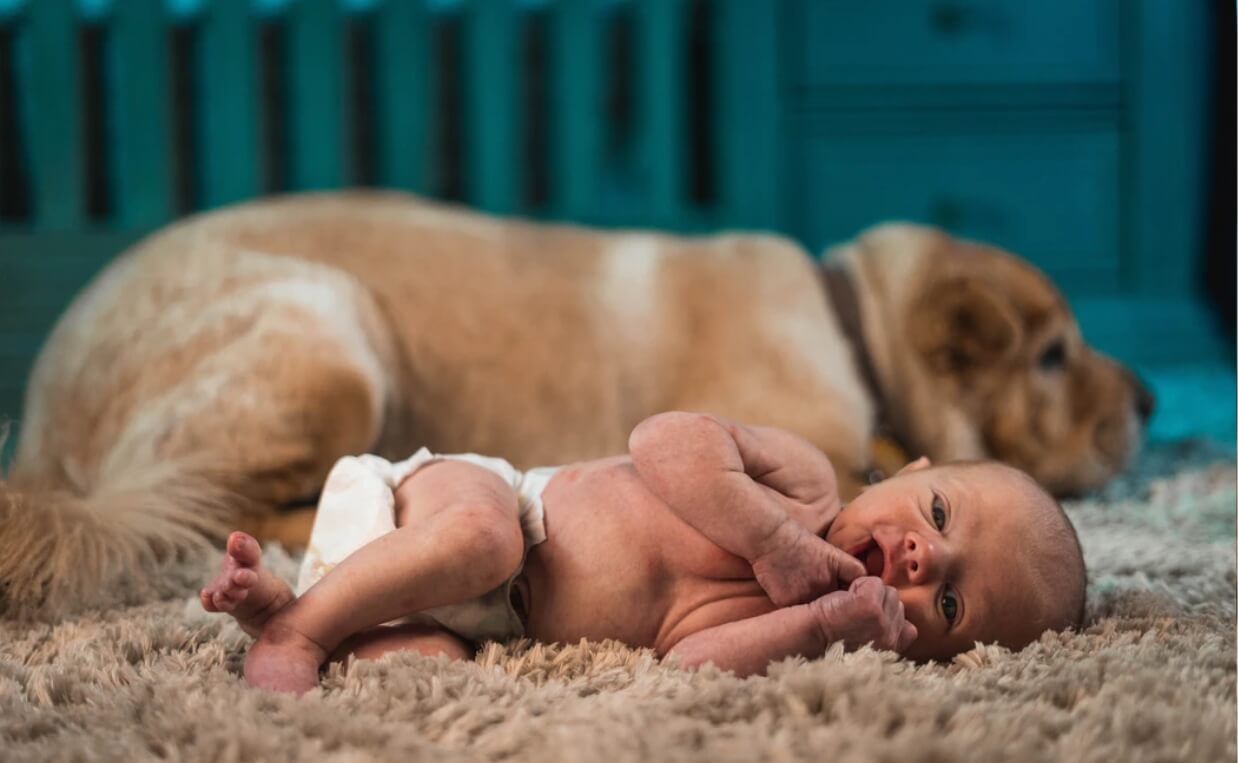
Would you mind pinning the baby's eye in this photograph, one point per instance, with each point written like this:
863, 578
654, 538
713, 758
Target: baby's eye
939, 513
949, 605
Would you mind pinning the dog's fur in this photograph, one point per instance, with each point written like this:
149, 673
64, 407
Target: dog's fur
211, 376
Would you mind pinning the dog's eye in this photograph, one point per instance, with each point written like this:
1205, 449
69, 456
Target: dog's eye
1053, 357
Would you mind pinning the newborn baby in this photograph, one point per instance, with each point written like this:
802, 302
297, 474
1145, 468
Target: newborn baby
711, 541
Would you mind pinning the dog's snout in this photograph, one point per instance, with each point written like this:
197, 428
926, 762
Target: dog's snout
1145, 401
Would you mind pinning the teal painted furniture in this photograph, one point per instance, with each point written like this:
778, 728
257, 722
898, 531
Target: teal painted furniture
1068, 131
1071, 133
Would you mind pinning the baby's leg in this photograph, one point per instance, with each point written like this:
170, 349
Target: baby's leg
251, 594
459, 537
244, 588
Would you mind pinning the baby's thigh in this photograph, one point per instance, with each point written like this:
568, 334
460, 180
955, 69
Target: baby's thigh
423, 639
472, 492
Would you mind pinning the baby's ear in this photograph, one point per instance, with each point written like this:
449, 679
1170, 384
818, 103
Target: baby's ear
920, 463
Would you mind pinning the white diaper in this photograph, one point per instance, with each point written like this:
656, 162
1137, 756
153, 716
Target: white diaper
358, 505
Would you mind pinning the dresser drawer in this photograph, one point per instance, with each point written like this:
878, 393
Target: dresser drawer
843, 42
1051, 198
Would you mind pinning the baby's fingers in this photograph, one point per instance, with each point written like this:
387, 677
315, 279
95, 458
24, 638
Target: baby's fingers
848, 569
891, 603
905, 638
869, 586
901, 632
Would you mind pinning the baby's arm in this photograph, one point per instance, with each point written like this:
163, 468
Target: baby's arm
869, 613
759, 493
739, 485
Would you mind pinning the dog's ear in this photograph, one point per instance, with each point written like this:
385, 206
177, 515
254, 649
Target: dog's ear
959, 324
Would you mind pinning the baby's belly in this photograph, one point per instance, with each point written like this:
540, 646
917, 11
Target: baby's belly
565, 610
598, 575
617, 564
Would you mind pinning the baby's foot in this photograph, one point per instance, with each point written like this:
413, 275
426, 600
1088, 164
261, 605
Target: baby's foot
244, 588
284, 660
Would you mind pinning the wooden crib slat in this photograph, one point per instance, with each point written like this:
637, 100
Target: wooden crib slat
745, 61
142, 132
317, 127
660, 40
53, 97
404, 66
576, 124
227, 68
493, 170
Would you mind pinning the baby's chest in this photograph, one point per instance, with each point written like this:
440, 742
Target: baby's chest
705, 585
610, 518
689, 555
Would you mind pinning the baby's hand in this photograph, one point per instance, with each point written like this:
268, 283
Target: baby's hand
799, 567
868, 613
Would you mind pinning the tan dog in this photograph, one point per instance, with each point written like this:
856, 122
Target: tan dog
211, 376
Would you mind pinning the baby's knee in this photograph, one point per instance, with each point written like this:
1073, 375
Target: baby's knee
491, 537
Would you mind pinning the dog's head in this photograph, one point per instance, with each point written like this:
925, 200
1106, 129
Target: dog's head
978, 356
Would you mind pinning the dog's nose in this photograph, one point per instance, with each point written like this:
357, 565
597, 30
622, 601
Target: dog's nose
1145, 402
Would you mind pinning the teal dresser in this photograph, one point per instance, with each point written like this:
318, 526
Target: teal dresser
1072, 133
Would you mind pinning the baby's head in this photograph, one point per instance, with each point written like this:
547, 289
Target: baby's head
978, 552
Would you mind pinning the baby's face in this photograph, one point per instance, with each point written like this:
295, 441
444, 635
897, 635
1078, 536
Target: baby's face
966, 547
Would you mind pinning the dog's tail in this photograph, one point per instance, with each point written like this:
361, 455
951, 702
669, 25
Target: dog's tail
127, 538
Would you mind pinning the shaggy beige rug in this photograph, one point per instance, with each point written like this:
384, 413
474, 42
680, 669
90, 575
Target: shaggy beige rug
1151, 678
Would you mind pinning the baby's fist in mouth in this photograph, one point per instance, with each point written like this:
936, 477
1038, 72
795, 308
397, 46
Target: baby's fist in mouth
869, 612
799, 567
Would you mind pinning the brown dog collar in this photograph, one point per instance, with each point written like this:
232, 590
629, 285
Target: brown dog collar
847, 309
846, 305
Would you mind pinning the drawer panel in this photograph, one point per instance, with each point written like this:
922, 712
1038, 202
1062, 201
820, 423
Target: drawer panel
843, 42
1052, 198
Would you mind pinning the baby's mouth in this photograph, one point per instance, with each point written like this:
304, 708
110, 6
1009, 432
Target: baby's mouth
870, 553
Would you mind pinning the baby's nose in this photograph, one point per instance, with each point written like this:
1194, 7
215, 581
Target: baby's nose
918, 558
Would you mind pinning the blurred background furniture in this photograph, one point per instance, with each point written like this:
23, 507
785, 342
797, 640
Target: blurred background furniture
1076, 134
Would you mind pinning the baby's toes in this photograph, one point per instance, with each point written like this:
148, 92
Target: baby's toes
207, 598
227, 599
244, 549
244, 578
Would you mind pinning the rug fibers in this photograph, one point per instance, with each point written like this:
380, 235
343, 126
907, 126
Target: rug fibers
1151, 677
